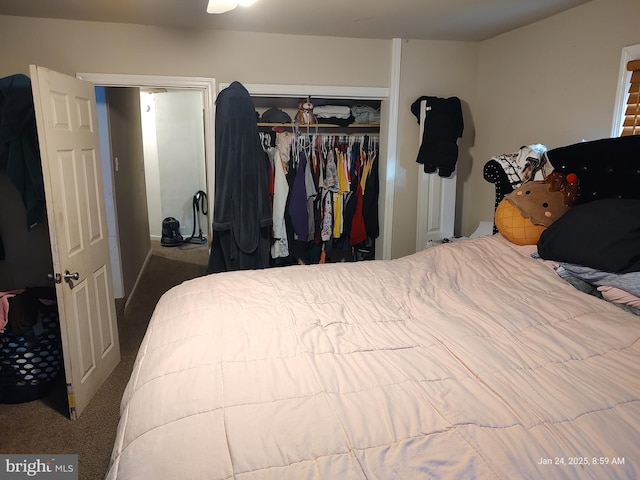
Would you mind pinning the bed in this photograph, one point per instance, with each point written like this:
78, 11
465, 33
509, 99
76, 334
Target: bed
466, 360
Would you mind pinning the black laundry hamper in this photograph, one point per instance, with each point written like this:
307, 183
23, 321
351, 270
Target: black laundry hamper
31, 362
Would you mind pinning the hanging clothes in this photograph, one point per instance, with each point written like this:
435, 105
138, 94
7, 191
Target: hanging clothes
332, 195
370, 198
298, 209
443, 126
310, 188
352, 151
242, 214
283, 144
280, 246
19, 149
358, 232
330, 186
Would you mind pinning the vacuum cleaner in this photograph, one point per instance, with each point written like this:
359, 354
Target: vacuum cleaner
199, 204
171, 236
171, 233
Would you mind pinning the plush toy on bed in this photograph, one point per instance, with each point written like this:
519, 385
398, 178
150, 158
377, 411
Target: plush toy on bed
525, 213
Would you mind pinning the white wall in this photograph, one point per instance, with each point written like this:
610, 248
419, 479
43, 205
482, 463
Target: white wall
429, 68
151, 163
173, 136
227, 56
552, 82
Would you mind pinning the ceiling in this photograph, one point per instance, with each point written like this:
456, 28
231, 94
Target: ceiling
462, 20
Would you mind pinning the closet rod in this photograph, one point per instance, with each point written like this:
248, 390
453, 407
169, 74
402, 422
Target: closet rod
339, 134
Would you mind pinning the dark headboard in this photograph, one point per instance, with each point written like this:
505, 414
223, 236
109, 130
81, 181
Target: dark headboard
607, 168
494, 173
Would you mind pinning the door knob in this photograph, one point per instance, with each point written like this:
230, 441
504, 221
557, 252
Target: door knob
68, 277
71, 276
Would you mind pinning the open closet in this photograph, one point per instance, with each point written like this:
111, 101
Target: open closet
324, 156
287, 97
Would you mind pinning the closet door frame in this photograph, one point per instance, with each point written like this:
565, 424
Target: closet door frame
388, 136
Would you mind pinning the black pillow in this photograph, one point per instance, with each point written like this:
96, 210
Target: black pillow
603, 234
606, 168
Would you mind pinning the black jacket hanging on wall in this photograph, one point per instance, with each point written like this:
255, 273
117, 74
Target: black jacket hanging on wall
443, 126
242, 215
19, 151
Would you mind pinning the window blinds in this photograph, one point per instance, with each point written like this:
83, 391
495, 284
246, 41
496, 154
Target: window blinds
631, 124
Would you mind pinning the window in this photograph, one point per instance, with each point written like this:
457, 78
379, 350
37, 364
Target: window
631, 123
626, 116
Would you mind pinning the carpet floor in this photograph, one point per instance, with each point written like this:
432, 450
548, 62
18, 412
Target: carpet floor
43, 426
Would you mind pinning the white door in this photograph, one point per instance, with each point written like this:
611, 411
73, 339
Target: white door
65, 111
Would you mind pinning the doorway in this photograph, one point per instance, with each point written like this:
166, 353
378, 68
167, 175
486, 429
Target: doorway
175, 173
174, 161
205, 87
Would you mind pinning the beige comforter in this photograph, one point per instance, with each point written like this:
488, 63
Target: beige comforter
466, 360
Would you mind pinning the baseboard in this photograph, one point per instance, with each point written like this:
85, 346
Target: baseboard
135, 285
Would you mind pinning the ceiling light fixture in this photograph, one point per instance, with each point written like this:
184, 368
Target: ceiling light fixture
222, 6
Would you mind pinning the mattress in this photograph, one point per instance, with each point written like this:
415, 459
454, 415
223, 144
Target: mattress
465, 360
